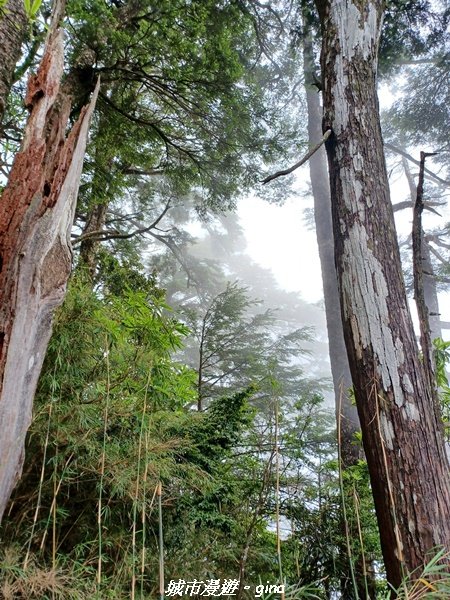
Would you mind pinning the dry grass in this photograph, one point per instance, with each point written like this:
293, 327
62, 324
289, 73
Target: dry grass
35, 581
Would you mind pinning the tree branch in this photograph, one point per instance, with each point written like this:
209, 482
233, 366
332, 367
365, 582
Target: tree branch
409, 204
436, 240
301, 162
103, 235
417, 162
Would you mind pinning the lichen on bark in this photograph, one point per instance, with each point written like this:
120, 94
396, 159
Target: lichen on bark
402, 434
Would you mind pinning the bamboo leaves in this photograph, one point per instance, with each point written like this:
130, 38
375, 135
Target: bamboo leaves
31, 8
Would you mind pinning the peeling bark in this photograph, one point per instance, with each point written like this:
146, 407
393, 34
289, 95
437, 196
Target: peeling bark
13, 29
36, 214
340, 370
346, 412
402, 435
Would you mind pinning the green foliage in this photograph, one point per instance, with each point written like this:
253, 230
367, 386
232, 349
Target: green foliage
411, 29
32, 8
233, 345
176, 97
189, 114
112, 419
442, 359
427, 582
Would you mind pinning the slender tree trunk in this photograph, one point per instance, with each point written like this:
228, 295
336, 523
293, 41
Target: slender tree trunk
200, 370
419, 293
13, 29
36, 214
430, 292
100, 196
429, 279
402, 435
88, 248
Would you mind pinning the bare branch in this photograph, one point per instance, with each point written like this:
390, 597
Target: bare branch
409, 204
438, 255
436, 240
301, 162
102, 235
430, 174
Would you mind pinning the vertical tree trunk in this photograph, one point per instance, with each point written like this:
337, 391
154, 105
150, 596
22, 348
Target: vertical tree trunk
100, 199
88, 248
419, 293
402, 435
36, 214
340, 370
429, 279
430, 292
13, 28
346, 412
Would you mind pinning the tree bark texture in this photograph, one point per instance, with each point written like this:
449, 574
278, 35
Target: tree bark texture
402, 435
13, 28
340, 371
346, 411
36, 215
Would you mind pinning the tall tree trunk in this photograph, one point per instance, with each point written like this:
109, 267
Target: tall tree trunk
13, 29
36, 214
402, 434
430, 292
346, 412
340, 370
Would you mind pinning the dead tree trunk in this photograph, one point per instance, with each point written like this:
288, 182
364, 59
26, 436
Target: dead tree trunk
402, 435
36, 214
428, 276
419, 287
13, 28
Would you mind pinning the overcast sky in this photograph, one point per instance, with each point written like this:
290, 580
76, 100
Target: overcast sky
279, 239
